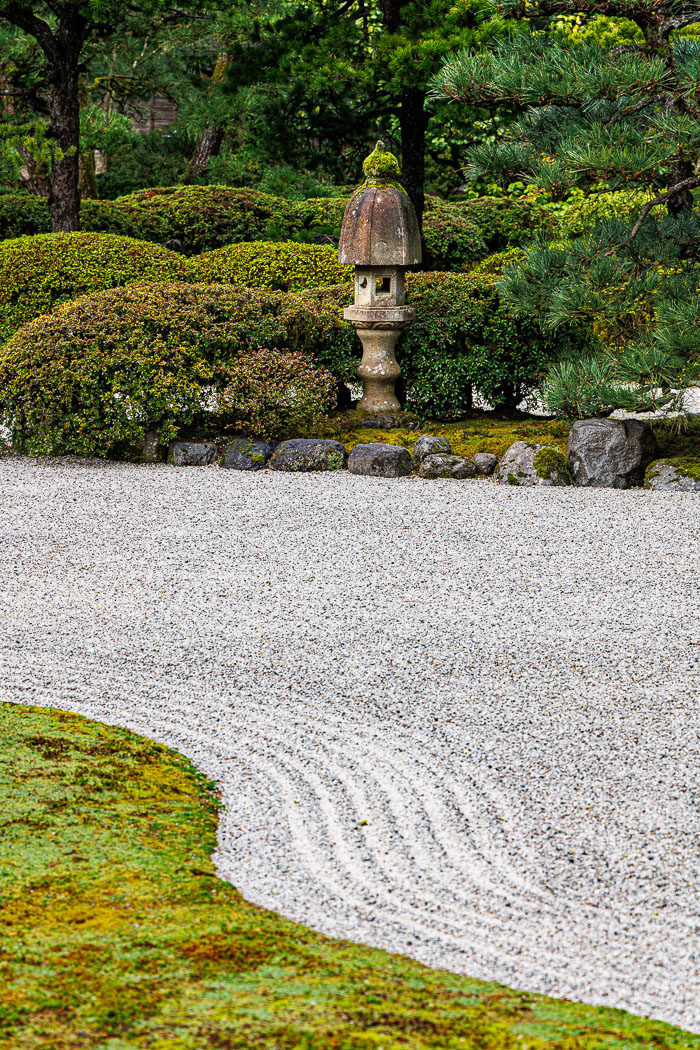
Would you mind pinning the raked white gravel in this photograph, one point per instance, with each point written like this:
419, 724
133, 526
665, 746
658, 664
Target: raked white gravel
451, 719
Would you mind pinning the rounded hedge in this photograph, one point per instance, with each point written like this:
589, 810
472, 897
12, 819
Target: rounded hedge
202, 218
96, 375
38, 273
266, 264
465, 339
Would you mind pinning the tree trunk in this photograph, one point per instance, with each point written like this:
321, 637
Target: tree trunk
64, 198
212, 137
413, 121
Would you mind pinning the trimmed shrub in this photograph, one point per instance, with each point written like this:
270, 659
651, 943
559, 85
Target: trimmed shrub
205, 217
274, 393
507, 222
38, 273
22, 215
464, 339
494, 265
452, 240
266, 264
96, 375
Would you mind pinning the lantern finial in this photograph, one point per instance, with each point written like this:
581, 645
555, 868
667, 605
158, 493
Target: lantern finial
381, 165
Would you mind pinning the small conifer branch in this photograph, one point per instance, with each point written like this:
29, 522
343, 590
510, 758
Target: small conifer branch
663, 198
678, 23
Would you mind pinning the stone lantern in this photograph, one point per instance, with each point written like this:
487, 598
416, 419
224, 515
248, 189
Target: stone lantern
380, 238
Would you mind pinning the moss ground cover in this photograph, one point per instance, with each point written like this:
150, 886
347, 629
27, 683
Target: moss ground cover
486, 432
116, 933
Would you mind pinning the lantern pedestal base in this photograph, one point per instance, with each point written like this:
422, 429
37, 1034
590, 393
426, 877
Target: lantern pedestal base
379, 370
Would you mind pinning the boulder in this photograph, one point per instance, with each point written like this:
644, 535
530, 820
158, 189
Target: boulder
443, 466
671, 475
191, 453
246, 454
308, 454
527, 464
380, 461
610, 453
485, 462
428, 445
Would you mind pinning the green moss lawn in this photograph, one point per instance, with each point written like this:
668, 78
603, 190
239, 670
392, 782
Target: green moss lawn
116, 933
486, 432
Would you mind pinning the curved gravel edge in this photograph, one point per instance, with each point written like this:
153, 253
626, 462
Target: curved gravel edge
455, 720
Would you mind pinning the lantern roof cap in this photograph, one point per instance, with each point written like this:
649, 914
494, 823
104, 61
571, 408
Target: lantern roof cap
380, 227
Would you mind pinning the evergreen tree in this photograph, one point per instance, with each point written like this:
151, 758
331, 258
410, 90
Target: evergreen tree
600, 114
63, 29
332, 74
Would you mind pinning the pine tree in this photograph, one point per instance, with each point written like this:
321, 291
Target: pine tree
597, 116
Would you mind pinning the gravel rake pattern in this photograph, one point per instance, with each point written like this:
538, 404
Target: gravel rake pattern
452, 719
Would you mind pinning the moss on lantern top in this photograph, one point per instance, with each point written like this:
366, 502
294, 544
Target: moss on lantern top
381, 168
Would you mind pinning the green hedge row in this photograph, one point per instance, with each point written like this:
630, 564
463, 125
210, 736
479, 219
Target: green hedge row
202, 218
39, 273
93, 377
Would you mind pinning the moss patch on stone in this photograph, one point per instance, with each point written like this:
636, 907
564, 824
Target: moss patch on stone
551, 462
117, 935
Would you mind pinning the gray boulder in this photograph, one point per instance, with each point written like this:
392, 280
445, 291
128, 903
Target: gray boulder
191, 453
246, 454
485, 462
427, 445
610, 453
380, 461
443, 466
527, 464
308, 454
668, 475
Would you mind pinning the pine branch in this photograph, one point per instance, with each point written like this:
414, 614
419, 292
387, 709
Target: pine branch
31, 24
663, 198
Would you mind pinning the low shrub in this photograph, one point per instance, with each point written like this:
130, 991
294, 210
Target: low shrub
494, 265
580, 212
452, 240
23, 215
38, 273
505, 222
265, 264
464, 339
96, 375
274, 393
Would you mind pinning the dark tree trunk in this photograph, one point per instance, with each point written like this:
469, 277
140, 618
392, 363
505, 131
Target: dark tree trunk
413, 121
62, 47
64, 197
210, 143
208, 146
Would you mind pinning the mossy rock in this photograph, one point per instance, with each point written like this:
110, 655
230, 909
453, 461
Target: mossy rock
677, 474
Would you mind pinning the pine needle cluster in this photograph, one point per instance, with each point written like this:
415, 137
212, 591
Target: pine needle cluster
597, 115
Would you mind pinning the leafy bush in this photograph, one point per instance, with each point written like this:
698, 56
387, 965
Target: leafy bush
207, 217
581, 211
273, 393
494, 265
506, 222
22, 215
464, 339
265, 264
38, 273
96, 375
452, 240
